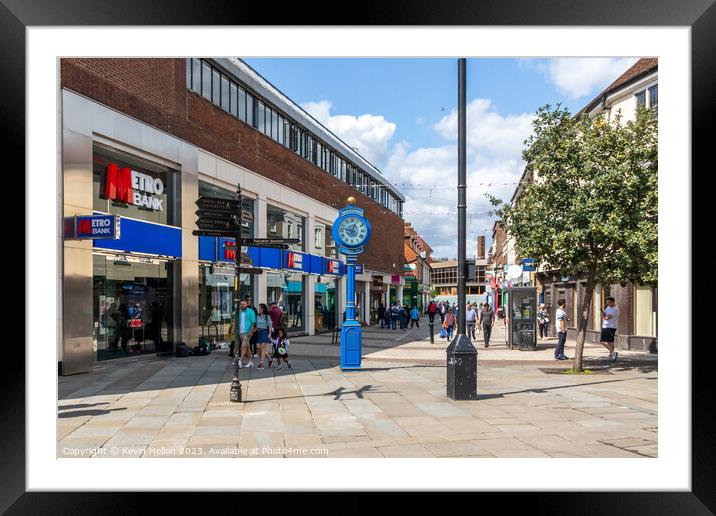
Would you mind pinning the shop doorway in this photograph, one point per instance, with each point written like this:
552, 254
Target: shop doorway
132, 306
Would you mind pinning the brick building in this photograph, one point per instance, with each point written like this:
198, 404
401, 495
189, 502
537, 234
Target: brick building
180, 129
417, 254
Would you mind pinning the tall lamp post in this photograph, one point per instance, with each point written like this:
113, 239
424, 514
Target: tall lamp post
461, 354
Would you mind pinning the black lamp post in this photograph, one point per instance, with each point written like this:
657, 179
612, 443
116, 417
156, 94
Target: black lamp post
235, 394
461, 354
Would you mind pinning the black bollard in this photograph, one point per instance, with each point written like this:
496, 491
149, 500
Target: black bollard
235, 389
432, 336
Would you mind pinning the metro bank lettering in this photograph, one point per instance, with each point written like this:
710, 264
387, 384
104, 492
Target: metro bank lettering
126, 185
294, 261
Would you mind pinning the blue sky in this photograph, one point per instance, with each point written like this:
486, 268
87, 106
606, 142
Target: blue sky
400, 114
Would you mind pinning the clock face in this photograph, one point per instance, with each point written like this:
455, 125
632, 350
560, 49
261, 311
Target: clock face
353, 231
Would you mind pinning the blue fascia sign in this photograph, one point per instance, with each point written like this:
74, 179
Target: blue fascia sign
528, 264
359, 268
92, 227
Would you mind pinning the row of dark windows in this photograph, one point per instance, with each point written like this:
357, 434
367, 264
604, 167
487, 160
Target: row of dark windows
223, 91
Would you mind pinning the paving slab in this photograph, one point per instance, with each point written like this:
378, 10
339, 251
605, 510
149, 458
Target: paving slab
395, 407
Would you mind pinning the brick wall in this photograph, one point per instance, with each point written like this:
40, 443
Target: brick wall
154, 91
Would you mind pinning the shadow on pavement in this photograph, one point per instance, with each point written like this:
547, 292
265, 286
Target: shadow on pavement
544, 390
80, 413
81, 405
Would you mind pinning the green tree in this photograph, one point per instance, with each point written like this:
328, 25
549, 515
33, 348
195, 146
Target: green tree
592, 207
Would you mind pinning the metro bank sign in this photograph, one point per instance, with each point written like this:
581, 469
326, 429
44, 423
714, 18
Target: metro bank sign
132, 187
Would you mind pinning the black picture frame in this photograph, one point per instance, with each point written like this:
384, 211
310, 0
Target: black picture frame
699, 15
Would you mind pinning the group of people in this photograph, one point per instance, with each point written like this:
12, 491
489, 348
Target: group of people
610, 323
398, 314
476, 317
259, 334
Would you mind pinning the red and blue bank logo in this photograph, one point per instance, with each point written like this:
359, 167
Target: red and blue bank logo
96, 227
129, 186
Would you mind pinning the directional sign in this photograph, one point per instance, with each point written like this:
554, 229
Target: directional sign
217, 214
214, 232
215, 203
272, 246
216, 224
259, 242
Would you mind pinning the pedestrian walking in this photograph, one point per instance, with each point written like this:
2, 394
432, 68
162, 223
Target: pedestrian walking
246, 324
381, 314
414, 317
610, 323
479, 318
487, 317
231, 334
264, 327
387, 319
394, 315
543, 321
561, 327
403, 318
280, 344
470, 321
255, 336
276, 317
442, 311
432, 310
449, 323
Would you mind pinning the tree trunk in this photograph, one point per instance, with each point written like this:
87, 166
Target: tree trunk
582, 324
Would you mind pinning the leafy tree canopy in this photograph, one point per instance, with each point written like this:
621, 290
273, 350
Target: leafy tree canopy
592, 207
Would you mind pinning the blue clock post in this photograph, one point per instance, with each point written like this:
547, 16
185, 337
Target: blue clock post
351, 231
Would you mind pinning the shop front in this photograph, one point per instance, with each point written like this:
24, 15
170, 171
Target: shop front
326, 295
378, 292
286, 275
133, 276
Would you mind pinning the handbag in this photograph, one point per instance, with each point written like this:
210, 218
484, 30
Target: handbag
443, 333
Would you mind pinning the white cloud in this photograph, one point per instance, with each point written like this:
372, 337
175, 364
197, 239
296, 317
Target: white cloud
428, 176
368, 134
578, 77
488, 130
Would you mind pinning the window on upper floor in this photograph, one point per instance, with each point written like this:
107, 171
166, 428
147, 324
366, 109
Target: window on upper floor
640, 99
654, 97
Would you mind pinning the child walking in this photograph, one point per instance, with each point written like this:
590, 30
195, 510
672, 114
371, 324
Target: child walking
280, 345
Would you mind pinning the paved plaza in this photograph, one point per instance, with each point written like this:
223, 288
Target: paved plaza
396, 406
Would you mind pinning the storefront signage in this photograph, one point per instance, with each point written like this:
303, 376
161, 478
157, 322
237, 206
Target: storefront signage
359, 268
528, 264
132, 187
230, 251
377, 281
294, 261
92, 227
223, 269
395, 279
332, 266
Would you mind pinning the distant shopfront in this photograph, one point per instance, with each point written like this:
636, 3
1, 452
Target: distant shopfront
286, 278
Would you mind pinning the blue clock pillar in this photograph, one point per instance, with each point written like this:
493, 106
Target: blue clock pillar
351, 332
351, 231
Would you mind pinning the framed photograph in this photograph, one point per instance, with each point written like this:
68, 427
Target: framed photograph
131, 109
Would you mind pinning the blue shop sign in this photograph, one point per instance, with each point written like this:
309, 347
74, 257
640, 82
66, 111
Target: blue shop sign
145, 237
359, 268
95, 227
222, 249
528, 264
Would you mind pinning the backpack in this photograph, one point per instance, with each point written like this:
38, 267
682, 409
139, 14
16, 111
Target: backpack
395, 311
183, 350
